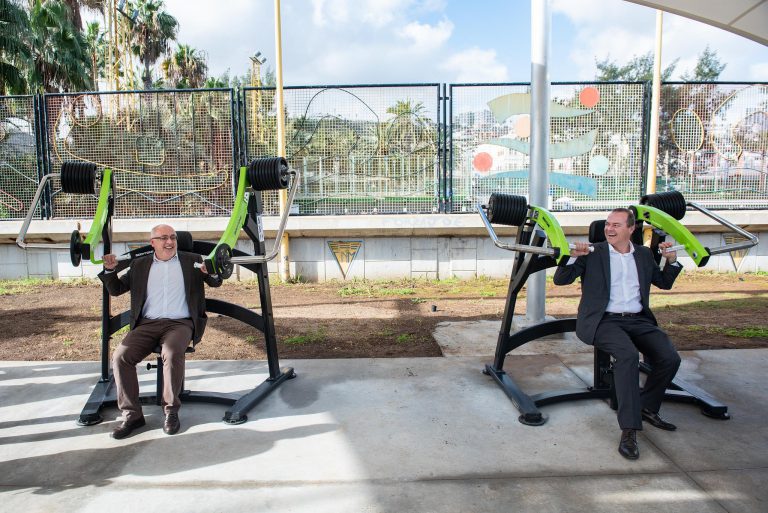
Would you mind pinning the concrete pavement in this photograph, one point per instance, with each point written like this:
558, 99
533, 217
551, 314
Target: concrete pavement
384, 435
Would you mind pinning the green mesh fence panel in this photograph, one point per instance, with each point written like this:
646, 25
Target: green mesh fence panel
596, 144
360, 149
713, 141
18, 156
171, 151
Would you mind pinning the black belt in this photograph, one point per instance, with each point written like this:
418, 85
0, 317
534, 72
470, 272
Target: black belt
623, 314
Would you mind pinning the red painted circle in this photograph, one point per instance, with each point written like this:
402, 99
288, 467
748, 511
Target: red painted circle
589, 96
482, 162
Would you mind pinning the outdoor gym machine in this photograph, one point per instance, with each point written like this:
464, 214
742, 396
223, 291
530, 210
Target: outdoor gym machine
260, 175
78, 178
535, 227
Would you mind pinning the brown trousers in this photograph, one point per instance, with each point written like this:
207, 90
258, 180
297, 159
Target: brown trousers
173, 336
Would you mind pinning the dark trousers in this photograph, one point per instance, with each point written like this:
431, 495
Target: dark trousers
624, 338
173, 336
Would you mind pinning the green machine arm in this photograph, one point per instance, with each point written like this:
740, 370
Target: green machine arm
554, 232
514, 211
99, 219
217, 260
260, 175
665, 210
665, 222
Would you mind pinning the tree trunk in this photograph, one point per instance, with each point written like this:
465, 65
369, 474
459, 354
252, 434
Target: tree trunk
147, 76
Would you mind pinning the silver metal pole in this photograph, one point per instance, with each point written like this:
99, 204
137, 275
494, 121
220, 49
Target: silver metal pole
27, 220
539, 168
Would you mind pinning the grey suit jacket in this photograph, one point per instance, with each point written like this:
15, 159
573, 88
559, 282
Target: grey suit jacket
595, 272
136, 278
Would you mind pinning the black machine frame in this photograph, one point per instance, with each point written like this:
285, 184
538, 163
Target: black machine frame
527, 263
104, 394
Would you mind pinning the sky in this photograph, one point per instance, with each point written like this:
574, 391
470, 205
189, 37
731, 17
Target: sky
335, 42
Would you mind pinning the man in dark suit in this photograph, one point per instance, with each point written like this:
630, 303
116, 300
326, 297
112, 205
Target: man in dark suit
615, 317
167, 309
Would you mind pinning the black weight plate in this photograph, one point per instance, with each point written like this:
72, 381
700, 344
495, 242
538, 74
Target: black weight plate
75, 248
221, 259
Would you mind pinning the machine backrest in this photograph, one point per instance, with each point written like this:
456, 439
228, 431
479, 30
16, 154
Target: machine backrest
597, 232
184, 241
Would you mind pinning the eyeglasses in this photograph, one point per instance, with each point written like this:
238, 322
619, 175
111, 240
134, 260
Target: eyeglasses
164, 238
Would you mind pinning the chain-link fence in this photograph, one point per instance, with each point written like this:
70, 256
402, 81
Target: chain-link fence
18, 156
172, 152
360, 149
596, 144
713, 141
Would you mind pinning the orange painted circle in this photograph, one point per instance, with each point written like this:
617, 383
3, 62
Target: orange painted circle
589, 96
482, 162
523, 126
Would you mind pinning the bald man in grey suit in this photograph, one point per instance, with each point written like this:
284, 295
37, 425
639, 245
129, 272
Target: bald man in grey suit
614, 315
167, 309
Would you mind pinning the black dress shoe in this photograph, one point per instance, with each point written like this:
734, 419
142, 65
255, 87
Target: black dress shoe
628, 444
655, 420
171, 425
125, 428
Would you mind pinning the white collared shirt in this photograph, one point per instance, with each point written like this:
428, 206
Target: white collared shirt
625, 284
166, 298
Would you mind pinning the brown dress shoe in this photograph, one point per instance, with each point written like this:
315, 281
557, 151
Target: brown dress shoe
654, 419
171, 425
628, 444
125, 428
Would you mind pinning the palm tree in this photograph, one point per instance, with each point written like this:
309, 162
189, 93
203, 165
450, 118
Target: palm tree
406, 108
154, 29
14, 50
96, 42
59, 54
186, 68
407, 132
76, 6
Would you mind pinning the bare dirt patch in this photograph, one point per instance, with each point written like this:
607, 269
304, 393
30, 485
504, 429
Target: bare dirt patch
61, 320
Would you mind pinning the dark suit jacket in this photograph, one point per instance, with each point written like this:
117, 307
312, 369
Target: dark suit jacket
136, 278
595, 272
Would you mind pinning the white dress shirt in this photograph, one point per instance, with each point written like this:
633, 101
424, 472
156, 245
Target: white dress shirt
625, 285
166, 298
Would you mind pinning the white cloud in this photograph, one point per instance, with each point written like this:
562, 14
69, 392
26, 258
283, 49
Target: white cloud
227, 40
330, 12
426, 37
620, 30
476, 65
758, 72
376, 13
614, 43
386, 41
593, 12
318, 16
606, 29
686, 39
379, 13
